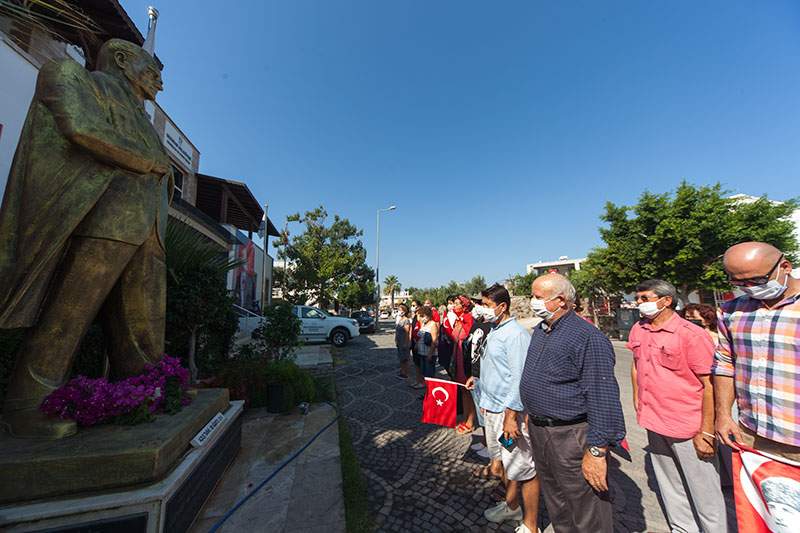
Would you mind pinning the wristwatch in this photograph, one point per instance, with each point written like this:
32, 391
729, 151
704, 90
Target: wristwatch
597, 452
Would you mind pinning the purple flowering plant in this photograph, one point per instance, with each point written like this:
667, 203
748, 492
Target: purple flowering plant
160, 388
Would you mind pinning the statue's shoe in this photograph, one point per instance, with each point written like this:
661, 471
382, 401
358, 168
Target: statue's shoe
33, 424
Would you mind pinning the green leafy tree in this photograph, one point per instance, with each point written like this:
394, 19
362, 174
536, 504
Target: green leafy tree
198, 305
586, 286
680, 237
474, 286
390, 286
324, 259
356, 294
521, 283
437, 295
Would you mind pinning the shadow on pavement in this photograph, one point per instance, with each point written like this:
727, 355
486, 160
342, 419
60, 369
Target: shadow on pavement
420, 475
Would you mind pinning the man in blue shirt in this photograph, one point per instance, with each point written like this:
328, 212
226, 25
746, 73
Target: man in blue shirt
501, 371
571, 398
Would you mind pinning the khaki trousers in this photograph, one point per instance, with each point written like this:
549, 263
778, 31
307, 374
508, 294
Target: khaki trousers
752, 440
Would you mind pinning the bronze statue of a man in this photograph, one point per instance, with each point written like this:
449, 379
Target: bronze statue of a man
82, 228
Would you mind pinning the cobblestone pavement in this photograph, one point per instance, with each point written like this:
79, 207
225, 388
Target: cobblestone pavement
420, 475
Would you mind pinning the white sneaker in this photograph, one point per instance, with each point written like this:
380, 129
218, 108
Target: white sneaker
477, 446
483, 453
501, 512
522, 528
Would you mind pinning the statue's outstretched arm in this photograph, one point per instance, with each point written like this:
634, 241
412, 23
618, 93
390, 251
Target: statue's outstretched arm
83, 117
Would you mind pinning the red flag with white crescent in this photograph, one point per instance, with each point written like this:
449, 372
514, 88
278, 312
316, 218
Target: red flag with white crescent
767, 492
440, 404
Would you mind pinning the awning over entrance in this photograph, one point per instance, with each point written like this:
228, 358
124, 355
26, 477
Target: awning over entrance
231, 202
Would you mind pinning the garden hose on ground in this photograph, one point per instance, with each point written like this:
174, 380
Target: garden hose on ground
286, 462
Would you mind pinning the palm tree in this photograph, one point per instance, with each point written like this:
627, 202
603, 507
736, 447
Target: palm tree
391, 285
189, 256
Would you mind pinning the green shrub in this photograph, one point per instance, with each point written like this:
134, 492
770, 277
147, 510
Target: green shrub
323, 389
248, 379
197, 300
279, 335
89, 359
91, 356
10, 341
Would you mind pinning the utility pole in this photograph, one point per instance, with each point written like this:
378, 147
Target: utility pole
378, 263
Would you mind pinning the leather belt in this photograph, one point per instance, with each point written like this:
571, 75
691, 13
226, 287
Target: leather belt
550, 422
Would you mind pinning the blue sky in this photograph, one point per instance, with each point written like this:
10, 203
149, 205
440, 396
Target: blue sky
498, 129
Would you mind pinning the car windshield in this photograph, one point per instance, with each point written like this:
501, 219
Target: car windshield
310, 312
360, 314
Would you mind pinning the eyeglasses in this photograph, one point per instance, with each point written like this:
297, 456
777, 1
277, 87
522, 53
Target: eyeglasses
645, 298
758, 280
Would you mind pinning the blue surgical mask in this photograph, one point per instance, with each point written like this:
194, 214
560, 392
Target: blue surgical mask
769, 290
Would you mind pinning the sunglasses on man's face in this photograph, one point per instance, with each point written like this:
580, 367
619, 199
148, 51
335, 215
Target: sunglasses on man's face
758, 280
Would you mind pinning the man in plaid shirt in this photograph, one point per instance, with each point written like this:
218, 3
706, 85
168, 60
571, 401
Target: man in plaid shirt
758, 357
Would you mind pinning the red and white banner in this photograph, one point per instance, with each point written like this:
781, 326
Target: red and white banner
767, 492
440, 404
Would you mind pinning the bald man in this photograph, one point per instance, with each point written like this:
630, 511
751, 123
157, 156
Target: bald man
758, 357
571, 396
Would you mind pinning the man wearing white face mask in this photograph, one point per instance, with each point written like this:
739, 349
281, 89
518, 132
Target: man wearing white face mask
571, 398
500, 374
758, 357
674, 401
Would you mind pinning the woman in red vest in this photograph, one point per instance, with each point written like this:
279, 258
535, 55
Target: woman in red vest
459, 324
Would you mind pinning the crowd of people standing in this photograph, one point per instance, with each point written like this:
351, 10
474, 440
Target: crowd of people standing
550, 404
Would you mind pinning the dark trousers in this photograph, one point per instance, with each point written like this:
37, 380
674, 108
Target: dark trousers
428, 367
573, 505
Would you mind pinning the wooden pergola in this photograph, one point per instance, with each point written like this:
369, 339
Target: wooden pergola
231, 202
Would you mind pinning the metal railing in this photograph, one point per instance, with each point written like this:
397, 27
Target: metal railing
249, 318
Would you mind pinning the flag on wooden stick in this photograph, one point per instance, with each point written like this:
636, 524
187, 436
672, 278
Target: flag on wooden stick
440, 404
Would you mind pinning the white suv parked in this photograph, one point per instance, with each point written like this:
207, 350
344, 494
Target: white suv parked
316, 325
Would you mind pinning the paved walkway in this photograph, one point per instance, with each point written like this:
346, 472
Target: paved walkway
420, 475
305, 496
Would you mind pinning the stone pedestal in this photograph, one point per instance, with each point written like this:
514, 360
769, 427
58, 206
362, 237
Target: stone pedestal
169, 504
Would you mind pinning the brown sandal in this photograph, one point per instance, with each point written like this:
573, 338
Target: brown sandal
484, 473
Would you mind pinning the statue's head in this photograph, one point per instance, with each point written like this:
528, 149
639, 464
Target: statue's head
139, 69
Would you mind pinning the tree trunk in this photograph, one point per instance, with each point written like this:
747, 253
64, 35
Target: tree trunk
106, 364
192, 363
683, 294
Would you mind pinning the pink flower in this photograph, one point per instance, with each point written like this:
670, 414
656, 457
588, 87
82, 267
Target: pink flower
94, 401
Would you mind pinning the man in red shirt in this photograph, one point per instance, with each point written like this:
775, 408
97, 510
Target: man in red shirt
674, 401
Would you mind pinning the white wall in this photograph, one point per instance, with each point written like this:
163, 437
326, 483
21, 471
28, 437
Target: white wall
17, 85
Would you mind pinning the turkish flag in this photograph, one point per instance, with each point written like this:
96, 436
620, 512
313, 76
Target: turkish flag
767, 492
439, 406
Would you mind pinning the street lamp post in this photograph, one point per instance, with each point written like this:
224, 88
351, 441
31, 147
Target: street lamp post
378, 263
